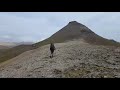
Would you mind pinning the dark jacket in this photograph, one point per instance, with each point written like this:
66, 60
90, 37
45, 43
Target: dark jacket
52, 47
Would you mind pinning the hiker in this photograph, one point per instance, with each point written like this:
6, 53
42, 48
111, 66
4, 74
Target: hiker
52, 48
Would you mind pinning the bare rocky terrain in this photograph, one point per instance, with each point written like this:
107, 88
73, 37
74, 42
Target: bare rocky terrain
73, 30
80, 53
72, 59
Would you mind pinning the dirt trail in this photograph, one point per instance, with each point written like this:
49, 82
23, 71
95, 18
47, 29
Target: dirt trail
71, 59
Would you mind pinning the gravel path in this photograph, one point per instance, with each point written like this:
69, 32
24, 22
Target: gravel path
71, 59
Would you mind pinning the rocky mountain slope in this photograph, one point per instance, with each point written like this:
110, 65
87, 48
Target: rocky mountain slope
71, 59
79, 53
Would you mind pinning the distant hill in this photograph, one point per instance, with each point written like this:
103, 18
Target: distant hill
3, 47
10, 50
24, 43
13, 52
75, 30
8, 43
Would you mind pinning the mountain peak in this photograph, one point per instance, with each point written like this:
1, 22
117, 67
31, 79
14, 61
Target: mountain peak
74, 31
74, 23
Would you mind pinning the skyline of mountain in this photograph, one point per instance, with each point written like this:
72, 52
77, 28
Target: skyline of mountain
37, 26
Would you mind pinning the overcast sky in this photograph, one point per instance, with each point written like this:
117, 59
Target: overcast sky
36, 26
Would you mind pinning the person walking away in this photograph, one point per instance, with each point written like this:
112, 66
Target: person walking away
52, 48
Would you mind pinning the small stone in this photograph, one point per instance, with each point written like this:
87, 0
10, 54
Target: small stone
105, 76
